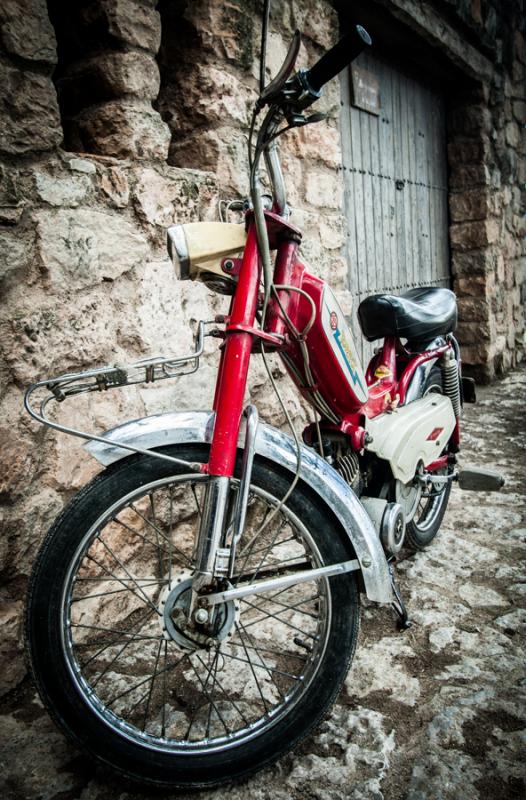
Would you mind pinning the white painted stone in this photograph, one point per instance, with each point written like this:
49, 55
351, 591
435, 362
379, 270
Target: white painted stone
478, 596
515, 621
441, 638
82, 247
62, 190
82, 165
375, 668
445, 775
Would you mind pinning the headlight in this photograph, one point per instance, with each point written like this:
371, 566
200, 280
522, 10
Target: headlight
197, 249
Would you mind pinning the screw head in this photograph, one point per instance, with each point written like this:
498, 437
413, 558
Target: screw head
201, 615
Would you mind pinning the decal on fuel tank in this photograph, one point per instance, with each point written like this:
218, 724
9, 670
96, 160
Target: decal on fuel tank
340, 339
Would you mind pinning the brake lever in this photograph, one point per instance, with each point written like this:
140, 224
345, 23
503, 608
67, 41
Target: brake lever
276, 85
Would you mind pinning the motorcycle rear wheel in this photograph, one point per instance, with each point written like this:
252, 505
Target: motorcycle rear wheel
114, 667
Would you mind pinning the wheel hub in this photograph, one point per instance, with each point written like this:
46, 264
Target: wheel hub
206, 628
408, 496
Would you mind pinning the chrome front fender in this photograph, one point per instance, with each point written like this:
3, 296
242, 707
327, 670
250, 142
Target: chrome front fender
185, 427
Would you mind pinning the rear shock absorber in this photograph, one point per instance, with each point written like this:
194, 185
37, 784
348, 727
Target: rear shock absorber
451, 380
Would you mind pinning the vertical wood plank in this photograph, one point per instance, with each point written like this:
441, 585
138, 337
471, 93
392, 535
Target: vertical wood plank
397, 238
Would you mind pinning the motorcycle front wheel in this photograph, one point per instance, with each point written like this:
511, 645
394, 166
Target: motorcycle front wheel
138, 691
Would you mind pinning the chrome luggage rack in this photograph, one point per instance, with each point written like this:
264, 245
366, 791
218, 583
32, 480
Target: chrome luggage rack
148, 370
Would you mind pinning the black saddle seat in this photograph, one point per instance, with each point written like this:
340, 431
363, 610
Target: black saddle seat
418, 314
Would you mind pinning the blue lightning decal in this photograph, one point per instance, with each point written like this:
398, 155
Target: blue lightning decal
354, 373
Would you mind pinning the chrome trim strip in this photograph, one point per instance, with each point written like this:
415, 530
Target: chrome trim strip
176, 241
197, 426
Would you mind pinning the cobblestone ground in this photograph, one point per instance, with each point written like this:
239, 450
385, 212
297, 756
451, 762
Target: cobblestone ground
437, 712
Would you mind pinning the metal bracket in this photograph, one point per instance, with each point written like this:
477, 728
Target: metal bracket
275, 339
101, 379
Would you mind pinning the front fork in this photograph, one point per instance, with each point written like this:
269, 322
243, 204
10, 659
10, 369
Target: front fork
212, 557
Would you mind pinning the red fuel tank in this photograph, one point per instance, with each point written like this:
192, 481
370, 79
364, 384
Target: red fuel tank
334, 380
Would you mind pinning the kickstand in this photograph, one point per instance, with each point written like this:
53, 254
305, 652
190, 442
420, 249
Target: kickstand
402, 622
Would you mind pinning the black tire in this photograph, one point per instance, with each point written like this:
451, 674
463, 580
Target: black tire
424, 526
87, 644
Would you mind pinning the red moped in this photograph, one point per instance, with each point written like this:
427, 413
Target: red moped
194, 611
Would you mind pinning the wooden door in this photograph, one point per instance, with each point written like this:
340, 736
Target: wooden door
395, 173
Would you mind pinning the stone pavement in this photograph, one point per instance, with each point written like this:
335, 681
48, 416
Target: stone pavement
437, 713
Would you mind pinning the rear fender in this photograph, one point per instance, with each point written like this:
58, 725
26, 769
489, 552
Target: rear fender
333, 492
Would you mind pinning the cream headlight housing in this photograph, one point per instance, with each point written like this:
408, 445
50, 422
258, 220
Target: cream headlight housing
197, 248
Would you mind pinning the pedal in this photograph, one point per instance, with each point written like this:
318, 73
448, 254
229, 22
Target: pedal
480, 480
402, 622
469, 394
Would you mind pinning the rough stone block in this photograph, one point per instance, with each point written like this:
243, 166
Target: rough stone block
115, 186
471, 120
29, 112
225, 30
471, 309
11, 644
81, 248
317, 21
25, 30
293, 171
12, 202
468, 151
468, 176
320, 142
135, 23
332, 232
61, 190
124, 129
473, 333
471, 205
214, 95
200, 151
157, 196
519, 111
15, 252
324, 189
107, 76
473, 235
475, 285
481, 354
513, 135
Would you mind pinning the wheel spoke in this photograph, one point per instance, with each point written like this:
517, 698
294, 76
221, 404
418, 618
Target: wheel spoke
263, 700
165, 670
274, 616
151, 685
133, 580
131, 574
137, 627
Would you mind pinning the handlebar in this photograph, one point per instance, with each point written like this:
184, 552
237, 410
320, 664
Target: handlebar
338, 57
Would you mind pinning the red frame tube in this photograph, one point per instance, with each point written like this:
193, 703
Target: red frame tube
384, 392
235, 358
415, 362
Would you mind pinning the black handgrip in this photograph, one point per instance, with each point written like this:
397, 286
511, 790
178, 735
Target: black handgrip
338, 57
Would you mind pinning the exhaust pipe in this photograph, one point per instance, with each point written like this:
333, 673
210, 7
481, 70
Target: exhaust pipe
480, 480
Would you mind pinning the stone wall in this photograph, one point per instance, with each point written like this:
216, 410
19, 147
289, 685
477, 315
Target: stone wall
487, 158
120, 117
95, 163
